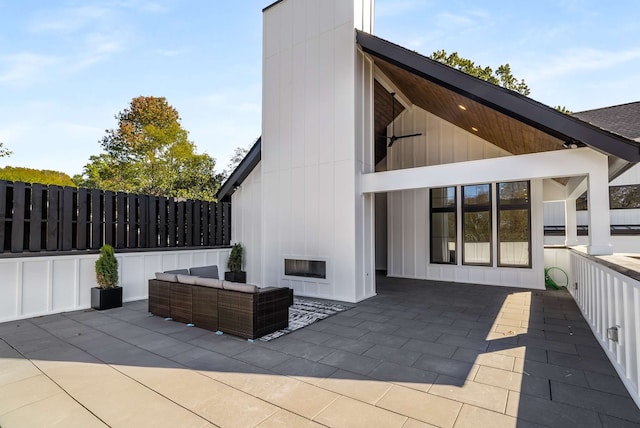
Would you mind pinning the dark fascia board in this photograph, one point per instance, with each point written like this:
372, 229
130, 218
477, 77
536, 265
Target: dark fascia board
508, 102
272, 5
241, 172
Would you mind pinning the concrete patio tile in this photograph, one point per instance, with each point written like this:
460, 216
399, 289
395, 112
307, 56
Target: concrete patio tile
344, 321
309, 351
355, 386
384, 339
549, 345
613, 422
56, 411
488, 359
582, 363
464, 342
430, 348
476, 417
351, 362
309, 371
446, 366
409, 377
349, 332
605, 383
602, 402
117, 399
207, 397
16, 369
349, 345
549, 413
418, 405
553, 372
592, 352
412, 423
394, 355
283, 418
349, 413
486, 396
191, 355
282, 391
518, 351
513, 381
26, 391
262, 357
222, 344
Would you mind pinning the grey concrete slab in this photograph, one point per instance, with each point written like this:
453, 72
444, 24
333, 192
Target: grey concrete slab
442, 353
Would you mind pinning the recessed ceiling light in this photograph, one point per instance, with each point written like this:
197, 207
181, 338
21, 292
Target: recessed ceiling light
474, 129
462, 107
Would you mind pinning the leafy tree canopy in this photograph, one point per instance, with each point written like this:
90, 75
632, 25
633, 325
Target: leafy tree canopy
41, 176
501, 76
149, 152
4, 152
563, 109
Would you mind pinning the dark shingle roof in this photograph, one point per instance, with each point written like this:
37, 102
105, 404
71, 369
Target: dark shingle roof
623, 119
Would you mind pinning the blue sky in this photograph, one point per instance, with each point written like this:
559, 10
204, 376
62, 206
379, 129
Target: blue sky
68, 66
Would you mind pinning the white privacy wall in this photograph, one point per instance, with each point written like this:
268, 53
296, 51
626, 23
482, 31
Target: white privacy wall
311, 145
34, 286
246, 223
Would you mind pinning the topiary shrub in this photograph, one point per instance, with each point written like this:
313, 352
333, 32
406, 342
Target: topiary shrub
107, 268
234, 263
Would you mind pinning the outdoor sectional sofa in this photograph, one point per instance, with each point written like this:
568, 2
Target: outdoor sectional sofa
196, 296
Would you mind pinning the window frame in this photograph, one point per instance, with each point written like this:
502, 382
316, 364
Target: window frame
513, 207
477, 208
440, 210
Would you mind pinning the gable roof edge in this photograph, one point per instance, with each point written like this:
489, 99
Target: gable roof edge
242, 171
510, 103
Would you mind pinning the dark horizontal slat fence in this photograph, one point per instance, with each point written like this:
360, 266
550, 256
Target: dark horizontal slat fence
37, 218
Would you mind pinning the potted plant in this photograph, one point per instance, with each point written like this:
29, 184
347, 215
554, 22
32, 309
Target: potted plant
107, 294
234, 264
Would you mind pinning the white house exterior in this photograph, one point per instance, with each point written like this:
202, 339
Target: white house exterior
321, 202
624, 213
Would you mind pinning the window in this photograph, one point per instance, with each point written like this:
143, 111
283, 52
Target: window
581, 202
443, 225
476, 224
624, 197
514, 224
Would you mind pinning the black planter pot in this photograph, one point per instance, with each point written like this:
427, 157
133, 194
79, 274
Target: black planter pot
240, 276
106, 298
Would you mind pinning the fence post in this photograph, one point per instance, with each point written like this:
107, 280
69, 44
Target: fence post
152, 221
121, 225
219, 217
67, 218
189, 211
17, 221
96, 219
142, 221
4, 208
82, 220
180, 231
108, 218
35, 221
226, 221
132, 218
173, 240
163, 229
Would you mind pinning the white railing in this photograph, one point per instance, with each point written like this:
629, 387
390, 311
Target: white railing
35, 286
609, 299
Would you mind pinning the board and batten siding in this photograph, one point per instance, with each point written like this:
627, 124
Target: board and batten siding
408, 212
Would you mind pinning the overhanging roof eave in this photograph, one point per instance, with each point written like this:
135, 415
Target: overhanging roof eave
508, 102
241, 172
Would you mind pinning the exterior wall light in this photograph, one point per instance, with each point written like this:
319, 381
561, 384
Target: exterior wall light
612, 333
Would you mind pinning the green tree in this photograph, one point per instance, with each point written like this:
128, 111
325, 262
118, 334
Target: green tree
563, 109
41, 176
501, 76
149, 152
4, 152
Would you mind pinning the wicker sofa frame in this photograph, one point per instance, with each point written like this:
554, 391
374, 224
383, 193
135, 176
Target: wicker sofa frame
247, 315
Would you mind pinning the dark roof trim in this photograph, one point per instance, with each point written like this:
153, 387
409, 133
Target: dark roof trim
241, 172
272, 5
508, 102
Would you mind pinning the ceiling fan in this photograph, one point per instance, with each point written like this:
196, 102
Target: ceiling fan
395, 137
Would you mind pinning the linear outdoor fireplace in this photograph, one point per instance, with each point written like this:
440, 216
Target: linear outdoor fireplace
305, 268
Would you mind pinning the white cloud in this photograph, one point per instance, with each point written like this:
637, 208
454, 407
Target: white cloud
24, 68
68, 20
580, 60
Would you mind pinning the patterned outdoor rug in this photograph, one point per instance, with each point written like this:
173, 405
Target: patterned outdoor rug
305, 312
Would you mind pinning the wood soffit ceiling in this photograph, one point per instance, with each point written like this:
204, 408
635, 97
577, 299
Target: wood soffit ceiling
503, 131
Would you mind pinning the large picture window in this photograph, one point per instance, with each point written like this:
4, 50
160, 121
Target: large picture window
514, 224
476, 224
443, 225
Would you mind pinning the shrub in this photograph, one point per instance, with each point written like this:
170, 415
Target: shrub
107, 268
234, 263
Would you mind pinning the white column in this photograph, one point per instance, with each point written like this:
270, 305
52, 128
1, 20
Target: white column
599, 221
570, 223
